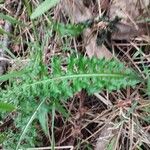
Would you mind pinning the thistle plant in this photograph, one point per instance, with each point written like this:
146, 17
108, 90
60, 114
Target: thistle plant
37, 87
70, 76
34, 92
40, 88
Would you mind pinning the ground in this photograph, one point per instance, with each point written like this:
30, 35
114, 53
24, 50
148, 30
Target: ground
50, 54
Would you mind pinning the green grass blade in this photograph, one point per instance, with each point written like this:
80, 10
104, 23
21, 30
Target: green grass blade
28, 124
43, 7
6, 107
28, 6
8, 51
10, 19
52, 128
148, 87
2, 32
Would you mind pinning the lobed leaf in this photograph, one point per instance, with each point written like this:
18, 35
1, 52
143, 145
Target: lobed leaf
93, 75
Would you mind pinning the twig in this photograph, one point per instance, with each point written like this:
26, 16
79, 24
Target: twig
106, 102
47, 148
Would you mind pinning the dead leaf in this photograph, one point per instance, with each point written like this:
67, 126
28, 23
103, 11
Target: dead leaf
129, 11
104, 137
104, 4
1, 22
3, 66
76, 10
125, 32
15, 48
92, 49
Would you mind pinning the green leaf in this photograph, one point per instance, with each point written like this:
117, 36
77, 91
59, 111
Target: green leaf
43, 118
3, 137
43, 7
111, 144
12, 75
148, 87
8, 51
28, 6
92, 75
62, 110
2, 31
10, 19
1, 1
6, 107
68, 29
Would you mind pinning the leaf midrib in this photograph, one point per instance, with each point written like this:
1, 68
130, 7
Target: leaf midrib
80, 76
